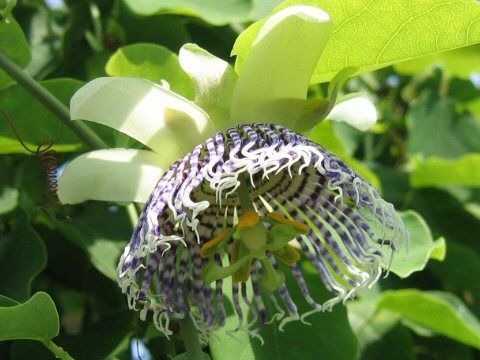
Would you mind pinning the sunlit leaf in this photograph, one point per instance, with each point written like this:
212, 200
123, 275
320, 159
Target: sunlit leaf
422, 246
423, 308
36, 319
217, 12
462, 171
151, 62
459, 63
375, 34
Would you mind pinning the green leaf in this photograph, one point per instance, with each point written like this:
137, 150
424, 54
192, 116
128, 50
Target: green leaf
440, 312
217, 12
457, 63
329, 332
37, 319
463, 171
14, 45
422, 246
8, 199
435, 129
374, 34
22, 258
34, 123
152, 62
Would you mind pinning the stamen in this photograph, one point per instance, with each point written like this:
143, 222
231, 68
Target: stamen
296, 224
223, 236
248, 219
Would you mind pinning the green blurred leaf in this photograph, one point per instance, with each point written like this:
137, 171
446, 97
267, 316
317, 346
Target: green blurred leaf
446, 216
397, 343
114, 331
22, 258
459, 273
217, 12
152, 62
103, 241
14, 45
324, 134
435, 129
390, 30
8, 199
329, 332
463, 171
37, 319
44, 33
459, 63
440, 312
422, 246
368, 324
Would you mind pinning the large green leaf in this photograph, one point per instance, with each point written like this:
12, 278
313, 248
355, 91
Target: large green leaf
34, 123
371, 34
435, 128
152, 62
329, 333
439, 312
463, 171
216, 12
37, 319
22, 258
422, 247
14, 45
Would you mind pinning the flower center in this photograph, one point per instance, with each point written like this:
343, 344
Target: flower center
254, 237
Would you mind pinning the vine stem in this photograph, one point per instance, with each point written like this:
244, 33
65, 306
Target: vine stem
193, 349
50, 102
57, 350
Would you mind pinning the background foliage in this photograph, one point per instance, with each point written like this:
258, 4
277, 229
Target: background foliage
57, 278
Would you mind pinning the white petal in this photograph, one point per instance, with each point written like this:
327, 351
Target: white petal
280, 65
358, 112
148, 112
110, 175
214, 81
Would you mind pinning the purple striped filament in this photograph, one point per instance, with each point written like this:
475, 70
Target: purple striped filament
352, 230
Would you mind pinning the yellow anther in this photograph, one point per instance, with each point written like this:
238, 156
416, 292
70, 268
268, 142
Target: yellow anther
248, 219
211, 243
303, 228
288, 255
